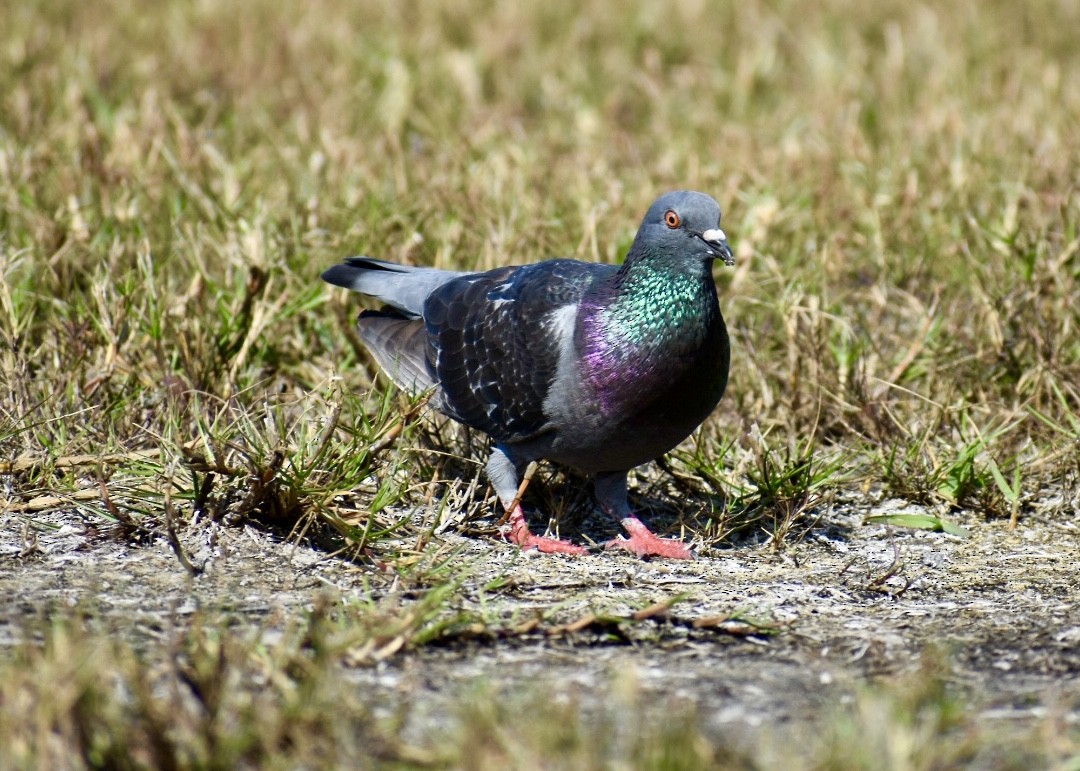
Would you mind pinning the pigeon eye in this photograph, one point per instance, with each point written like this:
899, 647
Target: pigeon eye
671, 219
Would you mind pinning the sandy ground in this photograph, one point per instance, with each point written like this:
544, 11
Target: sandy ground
1000, 606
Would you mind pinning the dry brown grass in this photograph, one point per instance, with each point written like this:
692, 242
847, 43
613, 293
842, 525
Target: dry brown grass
899, 182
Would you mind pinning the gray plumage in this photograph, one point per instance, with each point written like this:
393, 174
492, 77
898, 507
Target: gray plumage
599, 367
393, 336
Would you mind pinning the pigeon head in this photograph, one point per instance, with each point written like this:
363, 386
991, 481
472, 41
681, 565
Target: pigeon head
684, 225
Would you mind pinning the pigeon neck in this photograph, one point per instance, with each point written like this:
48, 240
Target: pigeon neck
645, 324
657, 295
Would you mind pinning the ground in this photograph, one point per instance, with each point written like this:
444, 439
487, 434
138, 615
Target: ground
781, 640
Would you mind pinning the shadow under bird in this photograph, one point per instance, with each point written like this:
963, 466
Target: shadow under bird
598, 367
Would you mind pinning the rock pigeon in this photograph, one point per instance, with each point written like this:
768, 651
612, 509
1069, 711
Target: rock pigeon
598, 367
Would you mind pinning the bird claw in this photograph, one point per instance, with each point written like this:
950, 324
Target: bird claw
644, 543
518, 533
550, 545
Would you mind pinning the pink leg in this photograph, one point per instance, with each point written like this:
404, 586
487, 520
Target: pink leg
644, 543
519, 534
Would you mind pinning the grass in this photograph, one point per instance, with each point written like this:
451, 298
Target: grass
78, 694
899, 183
899, 198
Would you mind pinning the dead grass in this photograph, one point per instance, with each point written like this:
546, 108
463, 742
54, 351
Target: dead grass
899, 181
208, 693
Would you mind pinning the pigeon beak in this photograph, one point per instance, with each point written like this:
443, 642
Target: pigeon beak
716, 240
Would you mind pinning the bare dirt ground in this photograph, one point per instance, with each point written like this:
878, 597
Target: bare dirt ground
850, 601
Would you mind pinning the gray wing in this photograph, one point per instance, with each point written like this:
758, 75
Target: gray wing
399, 345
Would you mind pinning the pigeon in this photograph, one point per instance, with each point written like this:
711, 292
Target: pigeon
594, 366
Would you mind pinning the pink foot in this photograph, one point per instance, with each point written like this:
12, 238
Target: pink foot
644, 543
519, 534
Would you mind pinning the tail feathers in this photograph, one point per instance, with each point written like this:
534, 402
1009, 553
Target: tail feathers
400, 286
399, 345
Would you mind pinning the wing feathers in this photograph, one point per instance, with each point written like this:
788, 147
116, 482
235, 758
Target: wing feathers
492, 345
399, 346
490, 342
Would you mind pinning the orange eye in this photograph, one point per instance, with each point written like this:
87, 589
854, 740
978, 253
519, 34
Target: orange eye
671, 219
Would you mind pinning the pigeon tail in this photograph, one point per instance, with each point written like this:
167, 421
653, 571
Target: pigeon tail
402, 287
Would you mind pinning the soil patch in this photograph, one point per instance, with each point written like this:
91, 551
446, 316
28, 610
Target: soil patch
848, 602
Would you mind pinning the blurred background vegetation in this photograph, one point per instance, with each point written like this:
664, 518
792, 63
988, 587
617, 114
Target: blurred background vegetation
900, 181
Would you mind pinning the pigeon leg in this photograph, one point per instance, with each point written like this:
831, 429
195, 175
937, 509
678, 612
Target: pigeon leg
504, 474
611, 493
